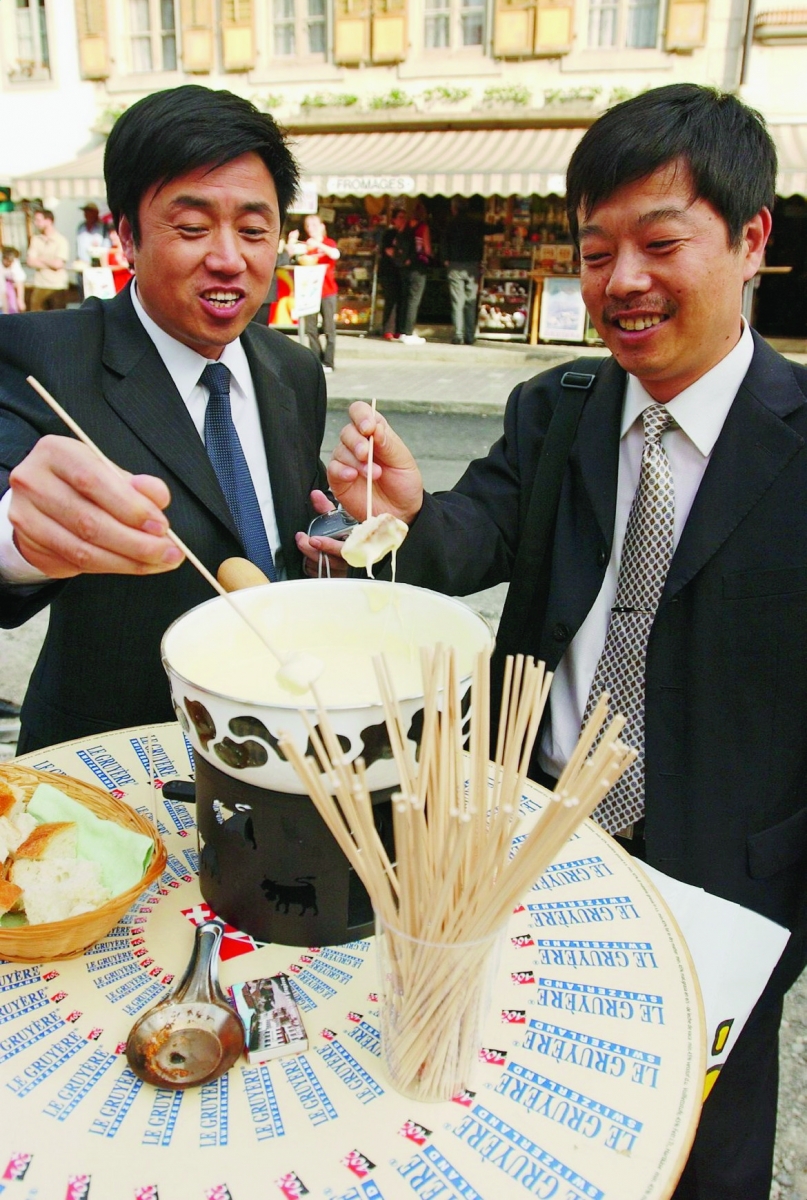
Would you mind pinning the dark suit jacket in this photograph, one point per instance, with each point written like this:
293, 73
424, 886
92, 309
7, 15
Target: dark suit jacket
100, 665
726, 675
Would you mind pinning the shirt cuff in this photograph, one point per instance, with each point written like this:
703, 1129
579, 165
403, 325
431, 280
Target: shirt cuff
14, 569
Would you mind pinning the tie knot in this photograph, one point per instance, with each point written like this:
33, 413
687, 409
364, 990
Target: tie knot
657, 420
216, 378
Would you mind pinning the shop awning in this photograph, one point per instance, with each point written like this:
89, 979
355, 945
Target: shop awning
491, 162
81, 179
446, 162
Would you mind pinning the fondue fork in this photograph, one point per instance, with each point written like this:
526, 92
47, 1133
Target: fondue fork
297, 671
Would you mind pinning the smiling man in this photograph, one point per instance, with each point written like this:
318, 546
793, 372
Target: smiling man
671, 569
218, 421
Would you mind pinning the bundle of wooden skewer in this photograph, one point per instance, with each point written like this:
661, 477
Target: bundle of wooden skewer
457, 876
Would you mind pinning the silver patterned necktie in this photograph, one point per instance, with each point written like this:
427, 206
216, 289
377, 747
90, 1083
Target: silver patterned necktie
646, 556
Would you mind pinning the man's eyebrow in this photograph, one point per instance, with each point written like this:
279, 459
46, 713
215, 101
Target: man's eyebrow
590, 229
191, 201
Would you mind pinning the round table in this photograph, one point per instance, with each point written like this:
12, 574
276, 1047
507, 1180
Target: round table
588, 1085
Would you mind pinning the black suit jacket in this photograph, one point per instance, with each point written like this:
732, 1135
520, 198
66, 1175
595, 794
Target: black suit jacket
726, 675
100, 665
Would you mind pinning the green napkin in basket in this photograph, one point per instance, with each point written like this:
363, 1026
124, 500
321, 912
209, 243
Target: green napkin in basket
122, 854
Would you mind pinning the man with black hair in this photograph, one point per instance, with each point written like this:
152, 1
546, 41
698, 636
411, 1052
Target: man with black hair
673, 574
177, 387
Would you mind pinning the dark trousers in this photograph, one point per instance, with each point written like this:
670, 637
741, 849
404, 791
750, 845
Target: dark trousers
391, 285
414, 286
732, 1155
463, 285
328, 311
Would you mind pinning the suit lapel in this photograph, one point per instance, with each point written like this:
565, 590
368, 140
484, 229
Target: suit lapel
754, 447
140, 390
595, 454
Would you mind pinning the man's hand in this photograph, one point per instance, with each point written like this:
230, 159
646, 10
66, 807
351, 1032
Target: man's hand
72, 514
312, 548
397, 482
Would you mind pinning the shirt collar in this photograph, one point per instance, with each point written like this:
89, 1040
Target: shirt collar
185, 365
701, 409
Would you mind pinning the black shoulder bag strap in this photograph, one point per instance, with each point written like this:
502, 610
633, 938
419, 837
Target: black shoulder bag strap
576, 384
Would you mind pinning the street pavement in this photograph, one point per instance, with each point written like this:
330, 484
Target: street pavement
447, 403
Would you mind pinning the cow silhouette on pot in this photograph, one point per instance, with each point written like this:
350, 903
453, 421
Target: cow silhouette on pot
301, 892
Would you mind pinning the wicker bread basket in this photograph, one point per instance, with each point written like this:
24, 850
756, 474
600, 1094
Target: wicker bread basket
68, 938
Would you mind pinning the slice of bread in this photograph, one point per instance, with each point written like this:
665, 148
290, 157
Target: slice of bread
57, 839
14, 830
10, 895
56, 888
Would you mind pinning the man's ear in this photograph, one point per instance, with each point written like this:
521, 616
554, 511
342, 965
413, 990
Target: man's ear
755, 237
127, 239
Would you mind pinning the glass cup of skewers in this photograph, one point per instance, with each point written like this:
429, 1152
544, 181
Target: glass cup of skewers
433, 999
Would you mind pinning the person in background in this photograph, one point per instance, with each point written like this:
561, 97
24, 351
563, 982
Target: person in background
390, 273
92, 235
12, 282
461, 250
326, 252
47, 254
674, 577
415, 269
118, 262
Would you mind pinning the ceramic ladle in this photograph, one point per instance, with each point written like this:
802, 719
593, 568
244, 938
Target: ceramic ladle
193, 1035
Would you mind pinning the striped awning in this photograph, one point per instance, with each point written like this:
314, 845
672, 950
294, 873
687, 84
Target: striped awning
464, 162
488, 162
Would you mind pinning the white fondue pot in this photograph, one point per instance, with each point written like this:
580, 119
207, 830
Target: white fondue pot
230, 703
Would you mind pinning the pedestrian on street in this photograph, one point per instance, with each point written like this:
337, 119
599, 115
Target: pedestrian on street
666, 567
419, 255
47, 254
462, 245
394, 251
322, 251
12, 282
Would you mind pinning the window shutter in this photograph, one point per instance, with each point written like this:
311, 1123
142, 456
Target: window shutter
389, 34
351, 35
686, 25
93, 52
237, 37
197, 35
553, 27
514, 29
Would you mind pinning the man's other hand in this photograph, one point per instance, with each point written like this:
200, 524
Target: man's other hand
72, 514
312, 548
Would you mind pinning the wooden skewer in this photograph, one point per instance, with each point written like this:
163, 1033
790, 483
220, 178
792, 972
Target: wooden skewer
285, 660
370, 470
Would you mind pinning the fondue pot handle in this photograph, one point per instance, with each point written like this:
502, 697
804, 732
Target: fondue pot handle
179, 789
237, 573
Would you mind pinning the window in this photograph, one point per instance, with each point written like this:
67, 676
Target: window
299, 27
454, 23
152, 36
632, 24
31, 32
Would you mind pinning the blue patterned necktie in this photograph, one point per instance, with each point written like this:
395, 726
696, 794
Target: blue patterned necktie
227, 457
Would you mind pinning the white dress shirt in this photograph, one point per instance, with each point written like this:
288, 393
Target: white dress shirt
700, 411
185, 367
